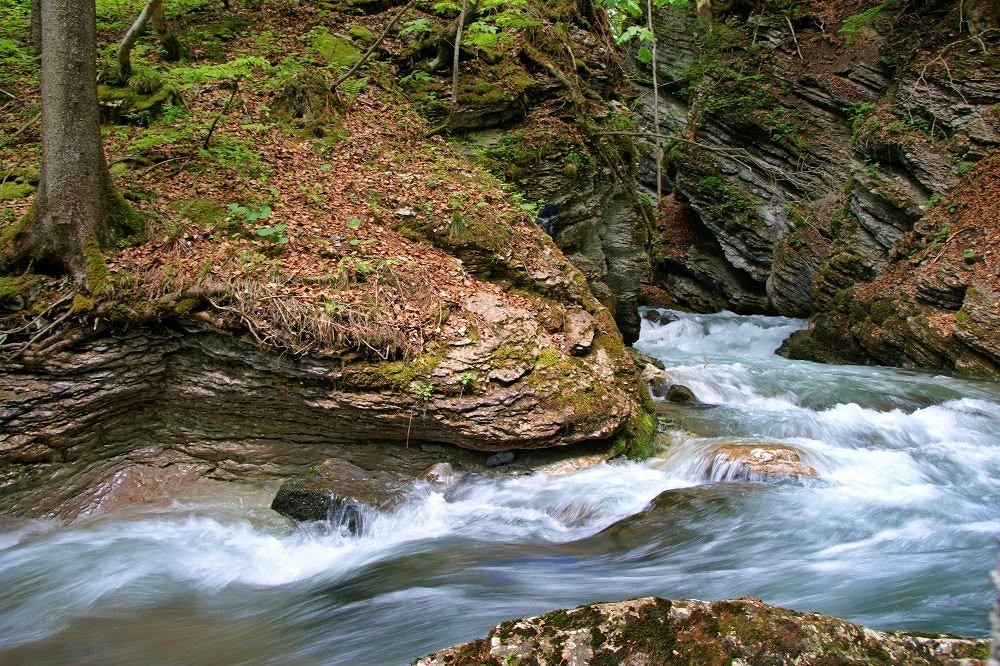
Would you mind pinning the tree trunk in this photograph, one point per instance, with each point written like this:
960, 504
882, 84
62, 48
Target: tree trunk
171, 45
76, 207
130, 38
36, 24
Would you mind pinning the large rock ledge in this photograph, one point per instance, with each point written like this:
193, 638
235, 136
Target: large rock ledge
125, 416
660, 631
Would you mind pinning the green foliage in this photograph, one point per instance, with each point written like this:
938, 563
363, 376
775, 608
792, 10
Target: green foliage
274, 235
235, 154
226, 71
415, 28
240, 216
422, 391
854, 26
467, 380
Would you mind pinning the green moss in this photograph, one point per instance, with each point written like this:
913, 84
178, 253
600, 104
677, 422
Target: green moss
727, 203
362, 34
95, 266
186, 305
82, 304
638, 440
856, 25
336, 51
16, 190
962, 317
547, 358
391, 375
200, 211
16, 292
119, 104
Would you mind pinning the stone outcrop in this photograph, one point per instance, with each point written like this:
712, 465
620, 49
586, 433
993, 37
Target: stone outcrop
813, 142
757, 462
659, 631
181, 400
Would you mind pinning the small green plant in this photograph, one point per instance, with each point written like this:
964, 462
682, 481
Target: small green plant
274, 235
467, 380
422, 391
240, 216
970, 255
415, 28
964, 168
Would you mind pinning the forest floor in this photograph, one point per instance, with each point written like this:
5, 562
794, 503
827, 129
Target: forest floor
310, 218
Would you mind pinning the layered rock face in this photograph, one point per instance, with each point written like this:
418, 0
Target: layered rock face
811, 143
145, 409
661, 631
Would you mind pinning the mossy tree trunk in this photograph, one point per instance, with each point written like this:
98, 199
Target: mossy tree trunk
76, 208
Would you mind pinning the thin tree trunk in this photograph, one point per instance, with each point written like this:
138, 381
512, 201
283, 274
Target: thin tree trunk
656, 105
458, 48
171, 45
36, 24
130, 38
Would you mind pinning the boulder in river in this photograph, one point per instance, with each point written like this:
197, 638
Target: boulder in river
757, 462
661, 631
340, 492
682, 394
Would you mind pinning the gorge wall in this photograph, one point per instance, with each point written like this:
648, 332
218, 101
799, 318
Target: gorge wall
813, 150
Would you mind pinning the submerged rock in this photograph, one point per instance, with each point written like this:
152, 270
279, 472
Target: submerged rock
498, 459
652, 630
757, 462
340, 492
681, 393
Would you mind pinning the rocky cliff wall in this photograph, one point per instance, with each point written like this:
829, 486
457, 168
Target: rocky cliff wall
808, 143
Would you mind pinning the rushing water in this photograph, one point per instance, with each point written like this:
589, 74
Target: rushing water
898, 532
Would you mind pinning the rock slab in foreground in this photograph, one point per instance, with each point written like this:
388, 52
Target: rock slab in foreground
659, 631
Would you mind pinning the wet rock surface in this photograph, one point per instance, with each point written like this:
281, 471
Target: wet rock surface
341, 493
757, 462
652, 630
186, 401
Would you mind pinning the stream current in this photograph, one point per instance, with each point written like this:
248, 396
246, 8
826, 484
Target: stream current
897, 532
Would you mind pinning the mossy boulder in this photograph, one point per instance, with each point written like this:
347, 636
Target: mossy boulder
652, 630
20, 183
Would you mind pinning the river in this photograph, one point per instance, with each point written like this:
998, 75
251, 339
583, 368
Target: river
898, 531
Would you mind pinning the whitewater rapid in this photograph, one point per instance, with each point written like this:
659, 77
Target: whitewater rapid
898, 530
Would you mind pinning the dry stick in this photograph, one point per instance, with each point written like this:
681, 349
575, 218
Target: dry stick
42, 333
656, 105
455, 58
211, 129
794, 40
34, 119
371, 49
40, 316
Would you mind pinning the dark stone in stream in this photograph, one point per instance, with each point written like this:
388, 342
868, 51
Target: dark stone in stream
498, 459
652, 630
659, 387
682, 394
340, 492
